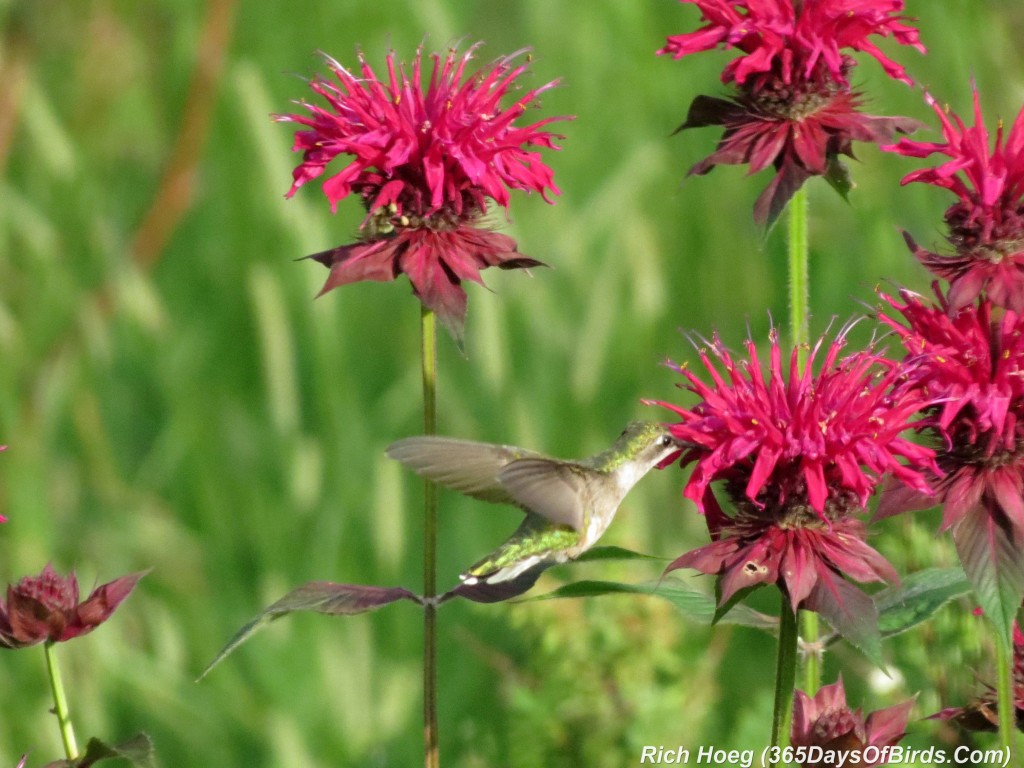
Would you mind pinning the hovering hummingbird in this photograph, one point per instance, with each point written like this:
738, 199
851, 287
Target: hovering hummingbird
568, 504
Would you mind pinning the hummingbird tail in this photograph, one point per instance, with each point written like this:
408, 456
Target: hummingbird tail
482, 592
490, 572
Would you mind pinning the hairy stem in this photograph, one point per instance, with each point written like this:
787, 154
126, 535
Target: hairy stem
1006, 703
799, 274
799, 330
60, 702
785, 676
431, 755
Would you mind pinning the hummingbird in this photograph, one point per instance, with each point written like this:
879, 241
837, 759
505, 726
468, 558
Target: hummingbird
568, 504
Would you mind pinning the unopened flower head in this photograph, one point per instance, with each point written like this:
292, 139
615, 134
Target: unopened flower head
47, 608
798, 454
986, 225
794, 108
970, 363
826, 720
427, 155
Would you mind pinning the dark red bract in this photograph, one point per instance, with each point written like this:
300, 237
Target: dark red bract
46, 608
426, 159
805, 556
986, 226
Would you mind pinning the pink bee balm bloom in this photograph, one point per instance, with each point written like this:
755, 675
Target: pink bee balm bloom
426, 159
47, 608
797, 454
794, 108
970, 362
826, 721
782, 438
986, 226
790, 39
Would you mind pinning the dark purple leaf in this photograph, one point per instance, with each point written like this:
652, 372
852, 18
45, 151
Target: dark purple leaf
850, 612
138, 750
838, 177
772, 201
319, 597
994, 564
708, 110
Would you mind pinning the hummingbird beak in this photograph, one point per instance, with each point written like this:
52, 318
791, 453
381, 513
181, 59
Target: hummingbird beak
669, 460
672, 458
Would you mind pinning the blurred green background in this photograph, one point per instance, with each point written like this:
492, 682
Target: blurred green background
173, 397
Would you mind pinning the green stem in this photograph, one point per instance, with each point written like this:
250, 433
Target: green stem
431, 755
799, 274
785, 676
1005, 699
60, 702
799, 329
812, 657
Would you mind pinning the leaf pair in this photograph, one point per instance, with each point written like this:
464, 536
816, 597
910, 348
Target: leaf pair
138, 750
899, 608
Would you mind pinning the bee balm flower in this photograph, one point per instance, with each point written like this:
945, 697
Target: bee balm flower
986, 226
794, 108
970, 364
427, 158
798, 455
47, 608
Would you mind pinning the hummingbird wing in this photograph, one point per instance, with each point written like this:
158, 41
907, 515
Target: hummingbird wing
463, 465
551, 489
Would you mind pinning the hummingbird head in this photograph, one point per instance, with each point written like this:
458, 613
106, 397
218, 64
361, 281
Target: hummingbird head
648, 443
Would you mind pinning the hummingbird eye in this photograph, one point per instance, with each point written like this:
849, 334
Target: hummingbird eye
665, 441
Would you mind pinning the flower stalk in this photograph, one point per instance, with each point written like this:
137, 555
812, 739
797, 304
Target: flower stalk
60, 702
430, 150
799, 329
799, 275
1006, 705
431, 755
785, 675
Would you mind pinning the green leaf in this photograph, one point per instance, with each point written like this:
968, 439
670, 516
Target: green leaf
994, 564
917, 598
320, 597
838, 177
693, 604
737, 598
138, 750
613, 553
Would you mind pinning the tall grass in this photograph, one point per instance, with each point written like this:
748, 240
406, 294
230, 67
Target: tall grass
200, 414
